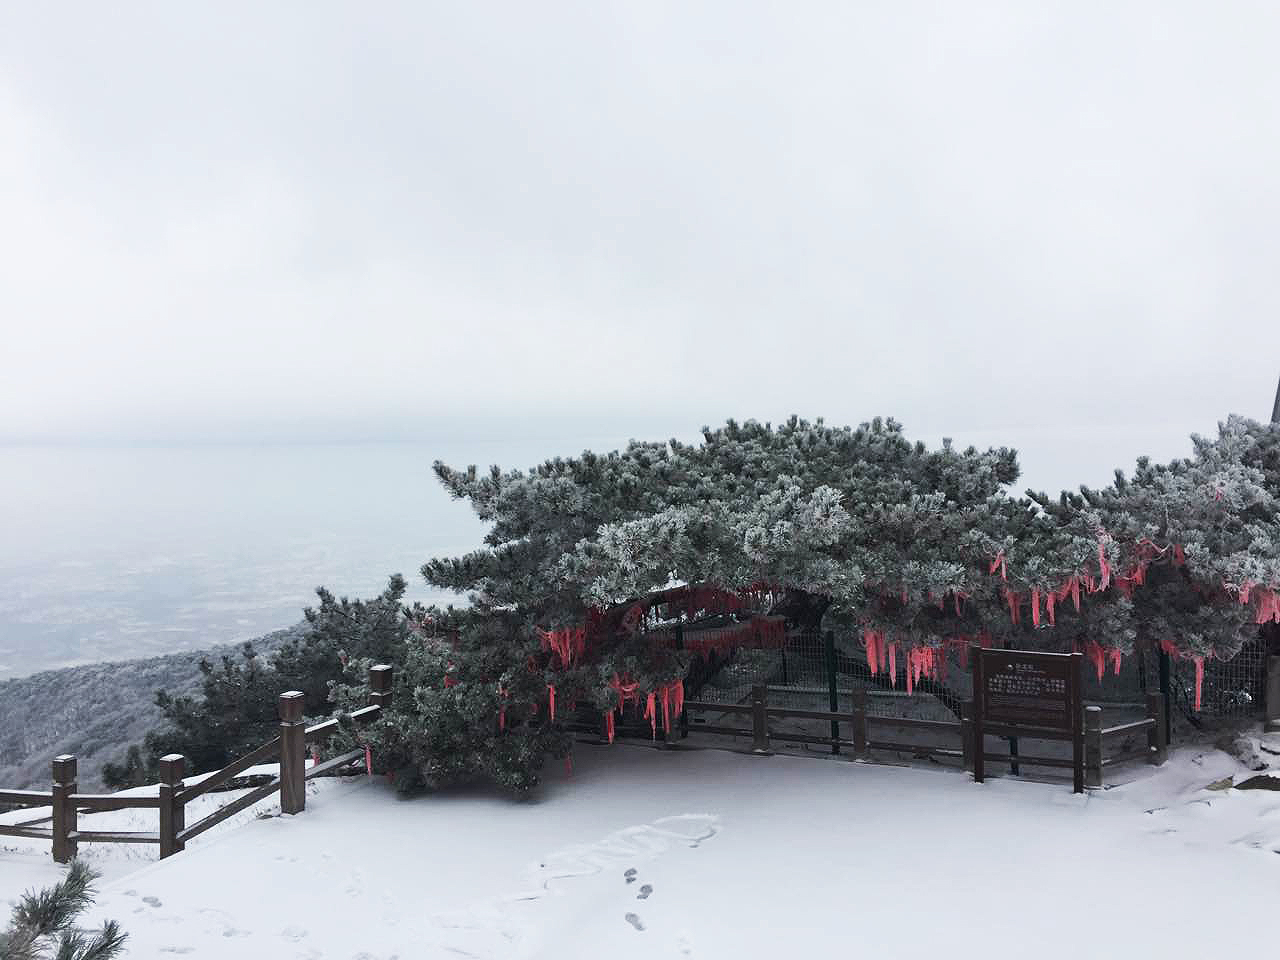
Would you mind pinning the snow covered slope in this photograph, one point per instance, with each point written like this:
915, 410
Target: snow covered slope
648, 853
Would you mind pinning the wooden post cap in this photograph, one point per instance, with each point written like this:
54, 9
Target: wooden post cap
64, 768
290, 705
380, 678
172, 768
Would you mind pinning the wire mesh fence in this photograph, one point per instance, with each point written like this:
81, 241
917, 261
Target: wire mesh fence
816, 671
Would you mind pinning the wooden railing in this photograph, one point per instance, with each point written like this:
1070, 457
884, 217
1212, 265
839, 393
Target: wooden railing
66, 804
863, 728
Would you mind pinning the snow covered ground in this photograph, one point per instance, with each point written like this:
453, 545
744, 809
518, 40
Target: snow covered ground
711, 854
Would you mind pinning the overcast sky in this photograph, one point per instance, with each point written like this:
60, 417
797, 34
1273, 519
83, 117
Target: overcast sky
1049, 225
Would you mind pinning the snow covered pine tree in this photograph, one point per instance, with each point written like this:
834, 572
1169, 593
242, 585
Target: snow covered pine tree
760, 528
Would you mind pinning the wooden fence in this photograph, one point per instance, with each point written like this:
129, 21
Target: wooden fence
868, 732
66, 804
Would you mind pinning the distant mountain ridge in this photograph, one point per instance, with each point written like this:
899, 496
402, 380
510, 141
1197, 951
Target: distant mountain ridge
95, 711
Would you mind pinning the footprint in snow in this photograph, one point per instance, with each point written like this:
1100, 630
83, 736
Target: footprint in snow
644, 892
151, 901
635, 921
630, 875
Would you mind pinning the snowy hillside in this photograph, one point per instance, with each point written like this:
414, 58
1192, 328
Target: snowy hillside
648, 853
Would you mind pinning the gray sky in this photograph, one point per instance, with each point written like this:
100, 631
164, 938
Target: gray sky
1049, 225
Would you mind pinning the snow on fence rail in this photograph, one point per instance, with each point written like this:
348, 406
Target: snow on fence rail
65, 803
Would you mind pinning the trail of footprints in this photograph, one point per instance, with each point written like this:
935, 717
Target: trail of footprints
631, 875
632, 844
619, 849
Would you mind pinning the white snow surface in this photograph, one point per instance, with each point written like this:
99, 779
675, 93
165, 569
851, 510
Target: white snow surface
646, 853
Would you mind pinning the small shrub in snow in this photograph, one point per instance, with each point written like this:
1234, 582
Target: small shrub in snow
43, 923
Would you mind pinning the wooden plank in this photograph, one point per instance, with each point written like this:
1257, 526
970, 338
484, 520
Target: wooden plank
723, 731
27, 798
915, 748
951, 726
1062, 762
320, 769
114, 836
34, 821
807, 738
31, 833
365, 714
321, 730
1027, 733
1123, 728
103, 802
253, 758
718, 707
234, 807
1140, 754
785, 713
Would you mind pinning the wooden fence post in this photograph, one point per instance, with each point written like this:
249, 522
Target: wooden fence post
966, 733
859, 722
293, 753
759, 719
172, 809
1271, 696
64, 810
1093, 746
1157, 736
671, 734
380, 679
977, 728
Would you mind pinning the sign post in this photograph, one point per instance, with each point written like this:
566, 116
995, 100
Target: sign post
1033, 695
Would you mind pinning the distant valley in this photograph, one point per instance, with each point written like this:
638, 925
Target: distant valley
94, 711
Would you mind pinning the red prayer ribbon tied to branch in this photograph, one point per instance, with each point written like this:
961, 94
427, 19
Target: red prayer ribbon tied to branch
1268, 601
566, 643
704, 597
763, 632
671, 697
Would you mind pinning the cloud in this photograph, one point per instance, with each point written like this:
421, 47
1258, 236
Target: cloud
1043, 220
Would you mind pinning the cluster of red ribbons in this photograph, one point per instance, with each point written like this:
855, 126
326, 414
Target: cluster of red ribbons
566, 643
1098, 657
760, 631
670, 697
1268, 602
705, 598
921, 661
